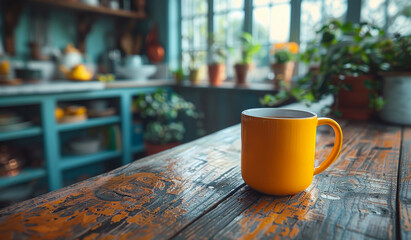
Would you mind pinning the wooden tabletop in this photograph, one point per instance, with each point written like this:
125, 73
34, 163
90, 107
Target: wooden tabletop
195, 191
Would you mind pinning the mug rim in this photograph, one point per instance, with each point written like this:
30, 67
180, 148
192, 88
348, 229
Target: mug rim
256, 112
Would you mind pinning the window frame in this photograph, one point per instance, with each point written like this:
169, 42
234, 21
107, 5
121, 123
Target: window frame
353, 14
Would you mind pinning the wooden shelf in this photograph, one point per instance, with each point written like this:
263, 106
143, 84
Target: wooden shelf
24, 176
78, 6
69, 162
91, 122
28, 132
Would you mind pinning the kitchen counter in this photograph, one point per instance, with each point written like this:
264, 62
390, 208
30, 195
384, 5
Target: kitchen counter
69, 87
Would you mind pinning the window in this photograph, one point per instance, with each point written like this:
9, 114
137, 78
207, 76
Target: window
388, 14
228, 17
315, 13
270, 21
193, 33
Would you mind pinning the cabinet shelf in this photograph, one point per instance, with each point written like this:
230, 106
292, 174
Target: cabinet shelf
28, 132
69, 162
81, 7
92, 122
25, 175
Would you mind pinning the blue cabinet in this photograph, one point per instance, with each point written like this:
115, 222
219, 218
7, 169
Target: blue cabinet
50, 130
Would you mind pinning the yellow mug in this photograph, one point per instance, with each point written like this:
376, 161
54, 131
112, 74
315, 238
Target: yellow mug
278, 149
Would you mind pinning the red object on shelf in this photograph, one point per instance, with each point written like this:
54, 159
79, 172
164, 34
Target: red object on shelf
155, 52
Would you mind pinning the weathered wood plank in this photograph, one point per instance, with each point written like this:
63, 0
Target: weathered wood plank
151, 198
353, 199
405, 186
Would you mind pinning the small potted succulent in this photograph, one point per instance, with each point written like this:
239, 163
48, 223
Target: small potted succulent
160, 113
194, 67
249, 48
395, 65
216, 66
284, 56
178, 75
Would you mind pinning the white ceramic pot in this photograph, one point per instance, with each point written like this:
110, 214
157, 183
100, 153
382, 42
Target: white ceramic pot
397, 94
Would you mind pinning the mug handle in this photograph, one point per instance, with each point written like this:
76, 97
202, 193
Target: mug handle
337, 144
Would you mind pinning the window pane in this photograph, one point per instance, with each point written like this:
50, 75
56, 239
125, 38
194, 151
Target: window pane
310, 20
220, 26
236, 4
261, 24
220, 5
335, 9
315, 13
200, 33
199, 6
186, 8
280, 28
266, 2
272, 24
261, 61
186, 33
235, 21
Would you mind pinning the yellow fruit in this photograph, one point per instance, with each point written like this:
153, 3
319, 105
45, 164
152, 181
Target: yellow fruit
76, 110
80, 73
59, 113
4, 67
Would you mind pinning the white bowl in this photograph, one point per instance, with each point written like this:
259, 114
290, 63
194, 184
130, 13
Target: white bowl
86, 145
142, 72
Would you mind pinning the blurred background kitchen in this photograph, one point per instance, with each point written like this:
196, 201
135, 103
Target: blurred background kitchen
87, 86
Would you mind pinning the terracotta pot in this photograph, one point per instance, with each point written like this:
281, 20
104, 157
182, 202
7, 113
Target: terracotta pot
195, 76
282, 71
216, 74
354, 104
156, 148
241, 71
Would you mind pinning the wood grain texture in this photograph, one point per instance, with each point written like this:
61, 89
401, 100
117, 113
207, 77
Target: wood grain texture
353, 199
195, 191
405, 186
151, 198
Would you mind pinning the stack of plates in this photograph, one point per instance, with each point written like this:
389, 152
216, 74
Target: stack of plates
11, 122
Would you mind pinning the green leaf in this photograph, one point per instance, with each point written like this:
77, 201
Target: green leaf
337, 113
347, 87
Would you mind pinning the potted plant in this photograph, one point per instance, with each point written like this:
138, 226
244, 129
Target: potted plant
347, 70
249, 48
395, 55
284, 55
160, 112
178, 75
216, 66
194, 67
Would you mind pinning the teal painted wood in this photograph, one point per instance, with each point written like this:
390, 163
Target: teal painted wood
173, 32
51, 144
28, 132
137, 149
354, 11
50, 130
25, 175
32, 99
92, 122
69, 162
295, 21
125, 104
